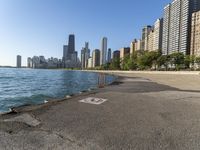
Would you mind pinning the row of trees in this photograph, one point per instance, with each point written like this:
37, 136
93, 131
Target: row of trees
154, 61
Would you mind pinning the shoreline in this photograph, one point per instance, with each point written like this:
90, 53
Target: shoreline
138, 111
31, 107
146, 72
184, 72
53, 101
116, 73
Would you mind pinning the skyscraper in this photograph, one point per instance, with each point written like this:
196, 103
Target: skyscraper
124, 52
133, 46
65, 53
96, 58
29, 62
19, 61
85, 55
157, 38
145, 32
71, 44
116, 55
177, 26
109, 55
103, 51
150, 41
195, 34
90, 62
70, 59
83, 58
166, 25
138, 45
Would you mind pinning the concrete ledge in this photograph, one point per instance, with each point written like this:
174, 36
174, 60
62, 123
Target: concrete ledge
25, 118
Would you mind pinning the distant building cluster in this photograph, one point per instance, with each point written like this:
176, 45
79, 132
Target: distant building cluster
98, 58
39, 62
69, 59
177, 31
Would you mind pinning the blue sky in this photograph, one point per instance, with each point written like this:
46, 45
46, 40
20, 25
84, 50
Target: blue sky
41, 27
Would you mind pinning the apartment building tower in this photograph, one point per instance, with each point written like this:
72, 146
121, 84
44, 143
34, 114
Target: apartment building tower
177, 26
195, 34
157, 37
145, 32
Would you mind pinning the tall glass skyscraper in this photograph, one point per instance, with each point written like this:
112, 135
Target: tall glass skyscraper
19, 61
103, 51
71, 44
70, 56
109, 55
65, 53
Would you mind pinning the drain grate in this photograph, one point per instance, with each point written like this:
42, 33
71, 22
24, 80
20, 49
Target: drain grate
93, 100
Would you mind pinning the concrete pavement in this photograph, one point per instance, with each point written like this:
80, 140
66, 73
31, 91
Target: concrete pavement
140, 113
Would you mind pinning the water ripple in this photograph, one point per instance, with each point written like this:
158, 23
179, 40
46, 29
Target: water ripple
27, 86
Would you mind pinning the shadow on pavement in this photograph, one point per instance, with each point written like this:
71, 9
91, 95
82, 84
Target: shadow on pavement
141, 85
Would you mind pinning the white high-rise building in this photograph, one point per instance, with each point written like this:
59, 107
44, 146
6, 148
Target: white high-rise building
133, 46
103, 55
157, 36
174, 30
177, 26
150, 41
138, 45
90, 63
166, 23
85, 55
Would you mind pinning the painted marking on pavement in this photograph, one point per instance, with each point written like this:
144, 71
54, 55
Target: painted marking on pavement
93, 100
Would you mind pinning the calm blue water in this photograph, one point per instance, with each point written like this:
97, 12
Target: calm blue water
28, 86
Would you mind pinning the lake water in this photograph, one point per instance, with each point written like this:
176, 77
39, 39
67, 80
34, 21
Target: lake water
29, 86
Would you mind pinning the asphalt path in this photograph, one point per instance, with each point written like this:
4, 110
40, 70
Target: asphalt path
139, 114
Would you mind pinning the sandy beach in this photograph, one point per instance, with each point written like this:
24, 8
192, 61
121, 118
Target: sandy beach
142, 110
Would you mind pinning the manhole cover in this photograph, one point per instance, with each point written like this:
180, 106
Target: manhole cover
93, 100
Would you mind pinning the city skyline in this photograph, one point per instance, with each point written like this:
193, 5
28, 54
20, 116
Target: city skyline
28, 33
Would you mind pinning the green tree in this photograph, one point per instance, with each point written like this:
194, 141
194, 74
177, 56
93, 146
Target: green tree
163, 60
192, 59
189, 60
144, 62
177, 59
197, 61
125, 62
148, 60
132, 62
154, 58
115, 64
